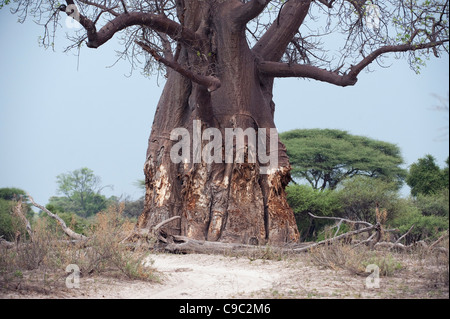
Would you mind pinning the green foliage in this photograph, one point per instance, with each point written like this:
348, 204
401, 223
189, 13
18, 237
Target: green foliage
425, 177
326, 157
425, 227
387, 264
76, 223
11, 193
360, 195
304, 199
82, 193
435, 204
9, 223
133, 208
4, 3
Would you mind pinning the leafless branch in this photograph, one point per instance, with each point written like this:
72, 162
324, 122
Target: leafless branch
69, 232
210, 82
404, 235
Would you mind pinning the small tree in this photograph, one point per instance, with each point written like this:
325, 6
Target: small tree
304, 199
82, 192
360, 196
425, 177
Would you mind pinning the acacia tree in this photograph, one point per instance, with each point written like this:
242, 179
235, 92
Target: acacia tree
324, 158
221, 58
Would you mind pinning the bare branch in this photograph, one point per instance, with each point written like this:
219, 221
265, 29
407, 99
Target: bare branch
157, 22
404, 235
330, 240
161, 224
69, 232
342, 219
355, 70
100, 6
439, 240
278, 69
210, 82
283, 70
273, 43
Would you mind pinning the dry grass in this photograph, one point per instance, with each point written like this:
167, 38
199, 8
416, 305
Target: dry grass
354, 259
40, 265
430, 265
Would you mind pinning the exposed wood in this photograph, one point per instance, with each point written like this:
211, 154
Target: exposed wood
69, 232
337, 238
342, 220
155, 229
433, 245
185, 245
404, 235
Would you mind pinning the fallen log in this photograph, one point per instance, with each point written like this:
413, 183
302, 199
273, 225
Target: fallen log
69, 232
185, 245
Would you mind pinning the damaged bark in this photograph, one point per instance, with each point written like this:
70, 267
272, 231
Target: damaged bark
218, 201
216, 79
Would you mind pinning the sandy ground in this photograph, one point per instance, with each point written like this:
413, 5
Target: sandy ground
211, 276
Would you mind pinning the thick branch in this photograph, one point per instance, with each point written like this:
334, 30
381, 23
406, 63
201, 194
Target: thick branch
69, 232
284, 70
342, 220
157, 22
273, 43
278, 69
210, 82
330, 240
248, 11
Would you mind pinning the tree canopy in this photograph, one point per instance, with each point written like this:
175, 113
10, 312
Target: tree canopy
325, 157
9, 222
357, 32
81, 188
426, 177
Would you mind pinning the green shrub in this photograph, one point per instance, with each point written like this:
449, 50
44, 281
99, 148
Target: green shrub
360, 195
435, 204
6, 219
425, 227
304, 199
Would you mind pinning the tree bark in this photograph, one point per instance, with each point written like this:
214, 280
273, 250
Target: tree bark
219, 201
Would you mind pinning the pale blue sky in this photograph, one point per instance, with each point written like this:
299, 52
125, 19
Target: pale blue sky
55, 118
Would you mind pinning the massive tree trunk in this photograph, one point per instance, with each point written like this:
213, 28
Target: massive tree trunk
218, 201
217, 83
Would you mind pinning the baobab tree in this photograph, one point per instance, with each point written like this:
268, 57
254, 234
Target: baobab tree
220, 59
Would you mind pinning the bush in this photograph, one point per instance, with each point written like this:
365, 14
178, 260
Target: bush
9, 222
435, 204
425, 227
76, 223
42, 262
304, 199
360, 195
